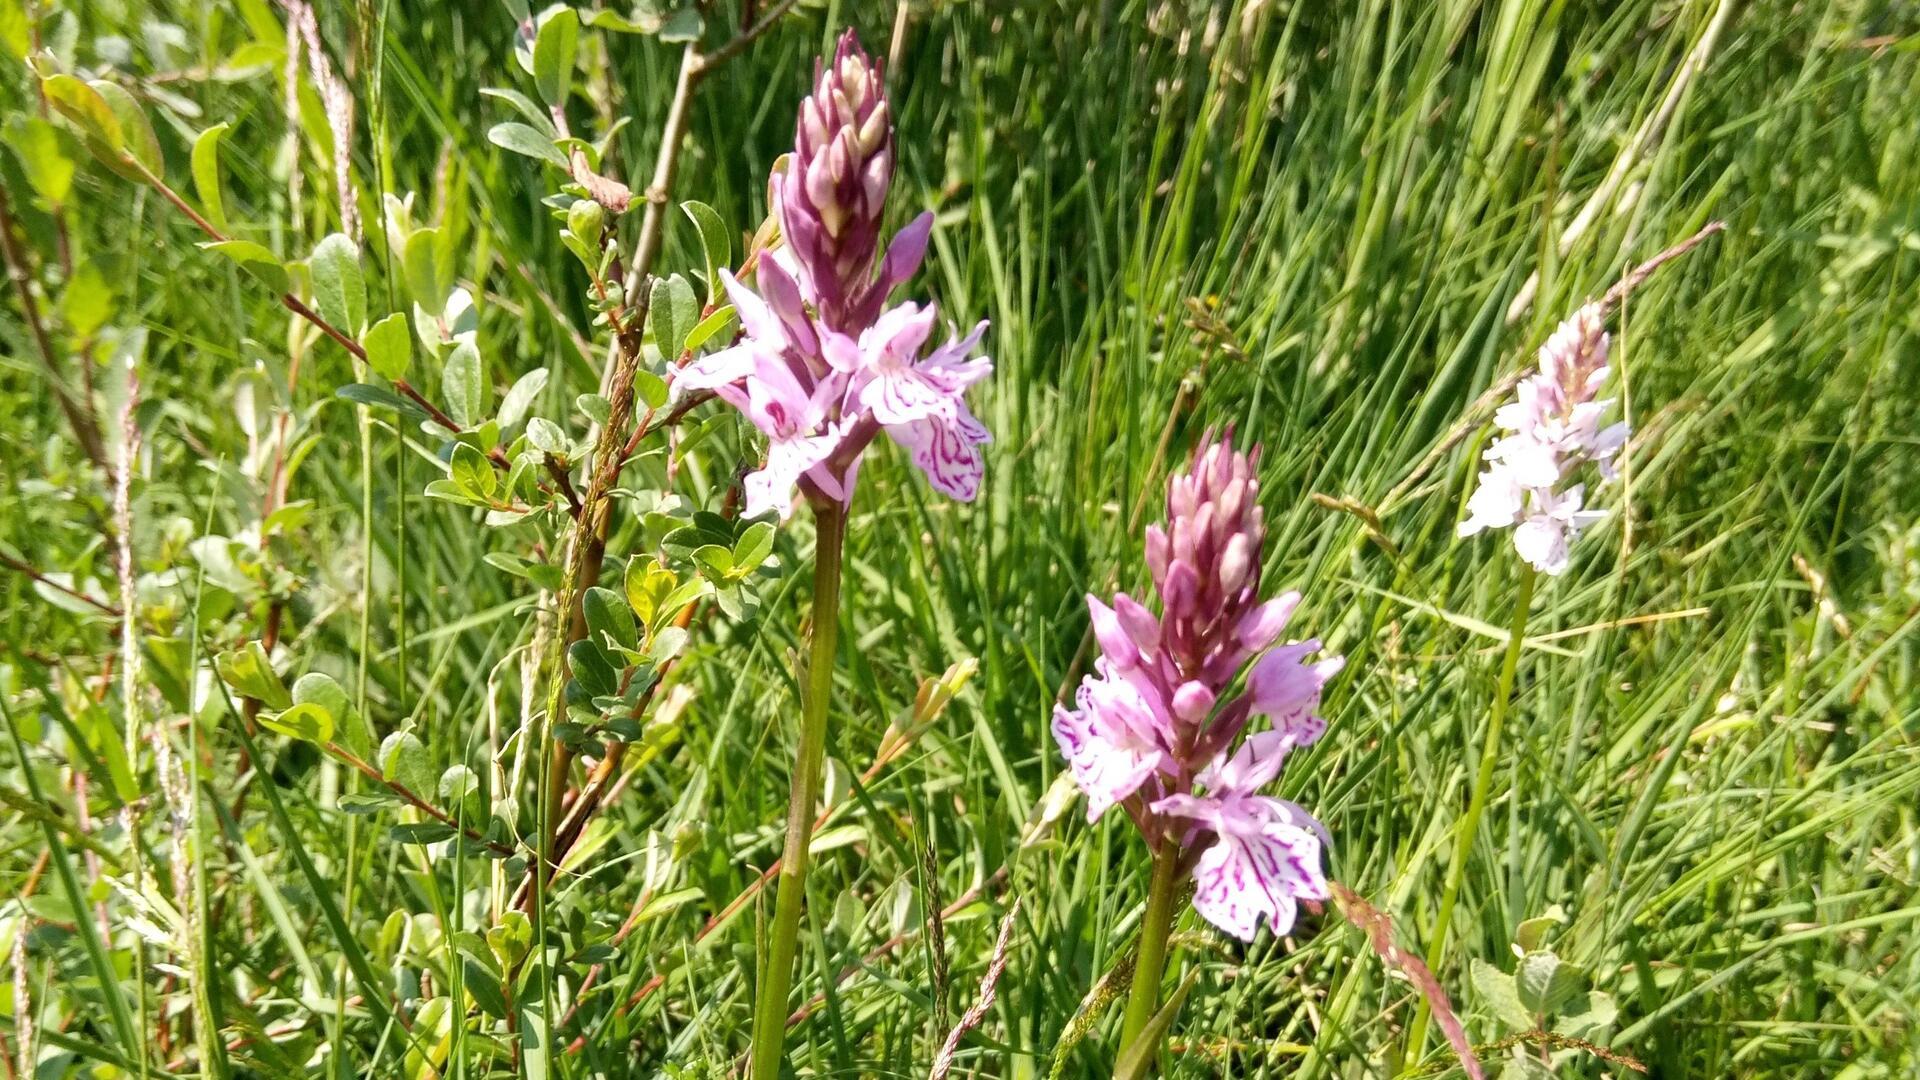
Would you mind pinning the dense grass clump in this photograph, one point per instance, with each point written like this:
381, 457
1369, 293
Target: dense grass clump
317, 638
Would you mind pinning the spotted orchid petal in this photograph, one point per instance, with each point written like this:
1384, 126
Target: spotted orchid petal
1113, 741
1264, 859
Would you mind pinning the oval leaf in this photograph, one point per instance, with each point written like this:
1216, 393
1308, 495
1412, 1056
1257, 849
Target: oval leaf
553, 49
389, 347
463, 384
714, 242
205, 162
522, 139
308, 722
262, 264
338, 287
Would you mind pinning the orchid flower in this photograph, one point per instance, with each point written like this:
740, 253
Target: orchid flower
1150, 730
1552, 426
856, 367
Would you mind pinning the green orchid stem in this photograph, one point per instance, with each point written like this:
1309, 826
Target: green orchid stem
1476, 803
1150, 960
770, 1005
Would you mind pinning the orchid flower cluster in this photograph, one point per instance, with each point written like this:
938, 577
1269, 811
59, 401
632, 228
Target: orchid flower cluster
1154, 726
1551, 427
824, 365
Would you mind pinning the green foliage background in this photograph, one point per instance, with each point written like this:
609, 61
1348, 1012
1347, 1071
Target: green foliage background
1319, 223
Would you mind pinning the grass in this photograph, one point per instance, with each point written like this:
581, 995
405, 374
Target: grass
1331, 226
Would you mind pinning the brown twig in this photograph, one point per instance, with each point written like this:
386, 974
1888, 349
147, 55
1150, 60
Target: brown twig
564, 483
15, 564
348, 757
294, 304
85, 427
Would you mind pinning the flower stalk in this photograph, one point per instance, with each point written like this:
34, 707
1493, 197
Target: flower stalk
776, 979
1477, 799
1150, 956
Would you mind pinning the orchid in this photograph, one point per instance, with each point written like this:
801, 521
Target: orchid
1151, 729
823, 365
1552, 426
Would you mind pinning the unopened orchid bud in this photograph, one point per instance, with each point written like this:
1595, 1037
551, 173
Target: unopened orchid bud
1235, 562
1180, 590
835, 187
1192, 701
1159, 553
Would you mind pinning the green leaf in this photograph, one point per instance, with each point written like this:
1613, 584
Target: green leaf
591, 669
426, 279
463, 384
309, 722
681, 25
101, 111
1496, 993
205, 163
667, 644
263, 265
683, 594
520, 396
379, 397
319, 688
1545, 982
37, 144
524, 105
671, 313
647, 585
137, 138
422, 832
666, 903
719, 320
650, 388
1587, 1015
472, 473
1138, 1060
511, 940
389, 347
375, 801
609, 618
82, 104
484, 987
714, 242
594, 407
546, 436
553, 49
1531, 934
247, 670
339, 290
753, 547
87, 302
405, 761
16, 32
522, 139
716, 562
